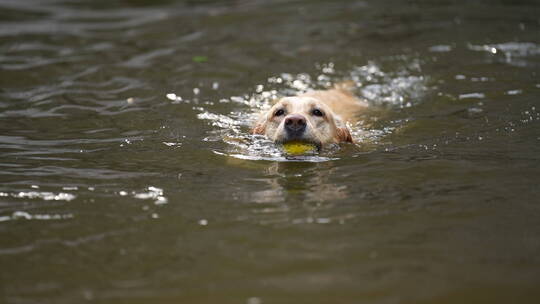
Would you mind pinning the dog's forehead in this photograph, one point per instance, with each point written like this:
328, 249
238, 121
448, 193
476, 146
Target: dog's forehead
296, 102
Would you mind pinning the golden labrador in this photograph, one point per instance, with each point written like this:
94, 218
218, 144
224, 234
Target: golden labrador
315, 117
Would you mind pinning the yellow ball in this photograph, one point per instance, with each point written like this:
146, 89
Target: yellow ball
297, 148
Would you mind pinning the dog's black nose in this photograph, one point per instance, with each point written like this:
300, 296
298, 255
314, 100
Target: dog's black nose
295, 123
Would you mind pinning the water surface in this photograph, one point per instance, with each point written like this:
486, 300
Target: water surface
128, 174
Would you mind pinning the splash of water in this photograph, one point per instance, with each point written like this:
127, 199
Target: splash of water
379, 88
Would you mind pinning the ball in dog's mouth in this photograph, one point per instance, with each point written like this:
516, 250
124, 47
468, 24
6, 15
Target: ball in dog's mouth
299, 148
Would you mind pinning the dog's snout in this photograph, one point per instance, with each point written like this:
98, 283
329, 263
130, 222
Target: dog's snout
295, 123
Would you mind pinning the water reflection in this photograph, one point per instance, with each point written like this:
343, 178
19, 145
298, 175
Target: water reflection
293, 193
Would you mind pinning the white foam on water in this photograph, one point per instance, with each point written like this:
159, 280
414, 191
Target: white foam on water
47, 196
23, 215
152, 193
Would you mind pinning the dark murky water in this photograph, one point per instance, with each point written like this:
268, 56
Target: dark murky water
128, 175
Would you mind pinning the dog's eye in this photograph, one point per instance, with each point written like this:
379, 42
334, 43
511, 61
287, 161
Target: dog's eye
279, 112
317, 112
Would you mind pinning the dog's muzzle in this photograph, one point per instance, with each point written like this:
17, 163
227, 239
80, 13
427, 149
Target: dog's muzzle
295, 126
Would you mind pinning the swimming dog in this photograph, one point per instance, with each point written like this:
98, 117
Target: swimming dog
315, 117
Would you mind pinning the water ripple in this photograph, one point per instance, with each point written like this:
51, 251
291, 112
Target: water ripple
512, 53
17, 215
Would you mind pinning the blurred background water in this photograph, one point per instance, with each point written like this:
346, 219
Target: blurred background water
128, 175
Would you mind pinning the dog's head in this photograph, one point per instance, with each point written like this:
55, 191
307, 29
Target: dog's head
304, 119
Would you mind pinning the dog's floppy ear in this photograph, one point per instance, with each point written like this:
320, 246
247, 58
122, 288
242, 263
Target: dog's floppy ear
344, 135
260, 126
258, 129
